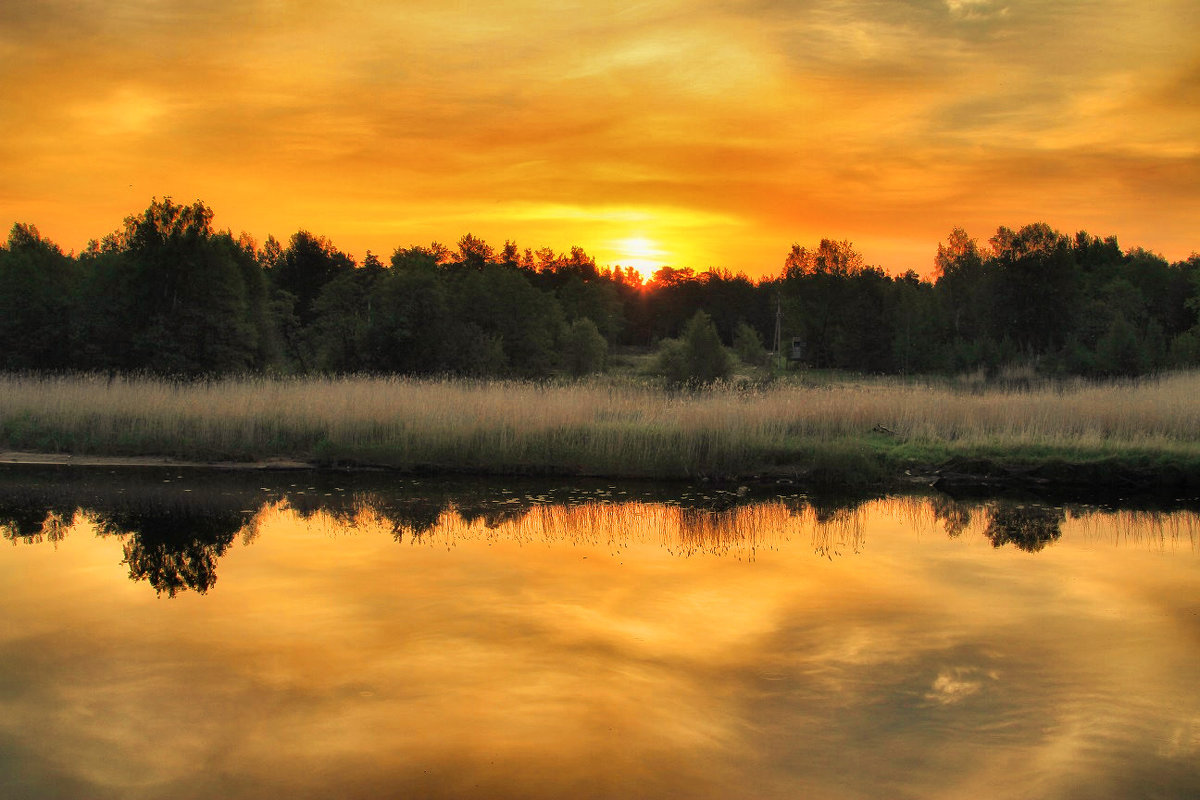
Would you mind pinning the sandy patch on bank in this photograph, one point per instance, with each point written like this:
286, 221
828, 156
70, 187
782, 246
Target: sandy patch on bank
14, 457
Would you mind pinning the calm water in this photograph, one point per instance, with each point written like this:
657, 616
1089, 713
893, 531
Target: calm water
176, 634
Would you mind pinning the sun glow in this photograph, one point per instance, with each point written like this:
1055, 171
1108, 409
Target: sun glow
643, 254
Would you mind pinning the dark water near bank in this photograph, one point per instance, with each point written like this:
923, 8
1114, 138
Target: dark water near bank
190, 634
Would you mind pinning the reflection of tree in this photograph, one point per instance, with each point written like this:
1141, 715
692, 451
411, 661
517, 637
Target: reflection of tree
495, 517
415, 518
173, 552
33, 524
1029, 528
956, 515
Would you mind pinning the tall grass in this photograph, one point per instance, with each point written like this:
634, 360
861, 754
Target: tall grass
598, 427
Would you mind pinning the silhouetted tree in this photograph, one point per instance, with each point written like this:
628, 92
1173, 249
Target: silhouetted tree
958, 272
1032, 288
304, 268
411, 327
474, 253
168, 294
38, 286
503, 307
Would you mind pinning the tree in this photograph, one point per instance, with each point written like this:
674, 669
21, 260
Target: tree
427, 258
303, 269
671, 297
474, 253
37, 300
410, 327
1033, 288
596, 300
343, 316
504, 307
168, 294
958, 274
730, 299
919, 330
830, 258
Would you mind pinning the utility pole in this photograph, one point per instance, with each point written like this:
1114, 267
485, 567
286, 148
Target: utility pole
778, 325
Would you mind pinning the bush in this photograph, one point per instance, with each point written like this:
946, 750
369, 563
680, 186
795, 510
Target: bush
1118, 352
1185, 349
748, 345
584, 349
698, 356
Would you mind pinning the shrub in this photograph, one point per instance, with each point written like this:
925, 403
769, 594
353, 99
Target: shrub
1185, 349
696, 357
1118, 352
748, 345
584, 349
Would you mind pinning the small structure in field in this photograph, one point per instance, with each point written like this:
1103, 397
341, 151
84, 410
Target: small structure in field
796, 353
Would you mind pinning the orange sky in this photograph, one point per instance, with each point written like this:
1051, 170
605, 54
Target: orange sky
711, 133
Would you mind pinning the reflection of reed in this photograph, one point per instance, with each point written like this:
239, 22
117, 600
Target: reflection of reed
1159, 530
839, 530
739, 531
686, 531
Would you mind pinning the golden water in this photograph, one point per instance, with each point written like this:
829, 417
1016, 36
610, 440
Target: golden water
903, 647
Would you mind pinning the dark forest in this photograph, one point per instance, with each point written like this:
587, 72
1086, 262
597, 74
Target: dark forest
168, 294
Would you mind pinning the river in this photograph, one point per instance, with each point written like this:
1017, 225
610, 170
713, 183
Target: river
183, 633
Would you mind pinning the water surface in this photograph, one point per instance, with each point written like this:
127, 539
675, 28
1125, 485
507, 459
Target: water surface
184, 634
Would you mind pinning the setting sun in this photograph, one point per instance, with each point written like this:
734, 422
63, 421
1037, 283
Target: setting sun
641, 253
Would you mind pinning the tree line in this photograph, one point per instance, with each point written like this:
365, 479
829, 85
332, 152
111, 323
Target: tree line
169, 294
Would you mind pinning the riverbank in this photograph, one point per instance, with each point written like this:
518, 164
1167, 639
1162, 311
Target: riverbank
854, 433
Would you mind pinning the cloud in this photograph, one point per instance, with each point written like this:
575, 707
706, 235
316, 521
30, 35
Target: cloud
855, 115
975, 9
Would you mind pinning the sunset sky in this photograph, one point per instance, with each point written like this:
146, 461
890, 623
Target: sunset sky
687, 133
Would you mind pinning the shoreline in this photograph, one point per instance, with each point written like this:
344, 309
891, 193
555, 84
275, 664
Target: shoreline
956, 476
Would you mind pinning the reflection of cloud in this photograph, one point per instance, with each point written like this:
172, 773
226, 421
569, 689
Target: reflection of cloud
955, 684
556, 651
975, 9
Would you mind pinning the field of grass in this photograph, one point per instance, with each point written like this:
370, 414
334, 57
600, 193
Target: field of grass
830, 432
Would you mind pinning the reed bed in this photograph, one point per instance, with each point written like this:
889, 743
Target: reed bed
594, 427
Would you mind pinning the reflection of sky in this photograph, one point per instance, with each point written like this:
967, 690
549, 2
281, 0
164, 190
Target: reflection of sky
523, 660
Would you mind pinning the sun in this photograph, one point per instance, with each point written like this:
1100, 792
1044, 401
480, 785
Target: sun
641, 253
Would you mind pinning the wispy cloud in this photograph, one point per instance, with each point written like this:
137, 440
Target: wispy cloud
884, 122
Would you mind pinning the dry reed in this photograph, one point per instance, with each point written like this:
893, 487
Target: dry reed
594, 427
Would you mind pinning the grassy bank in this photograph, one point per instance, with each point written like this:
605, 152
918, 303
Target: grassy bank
858, 432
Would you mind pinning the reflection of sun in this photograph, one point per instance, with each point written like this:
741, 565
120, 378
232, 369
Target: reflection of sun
640, 253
